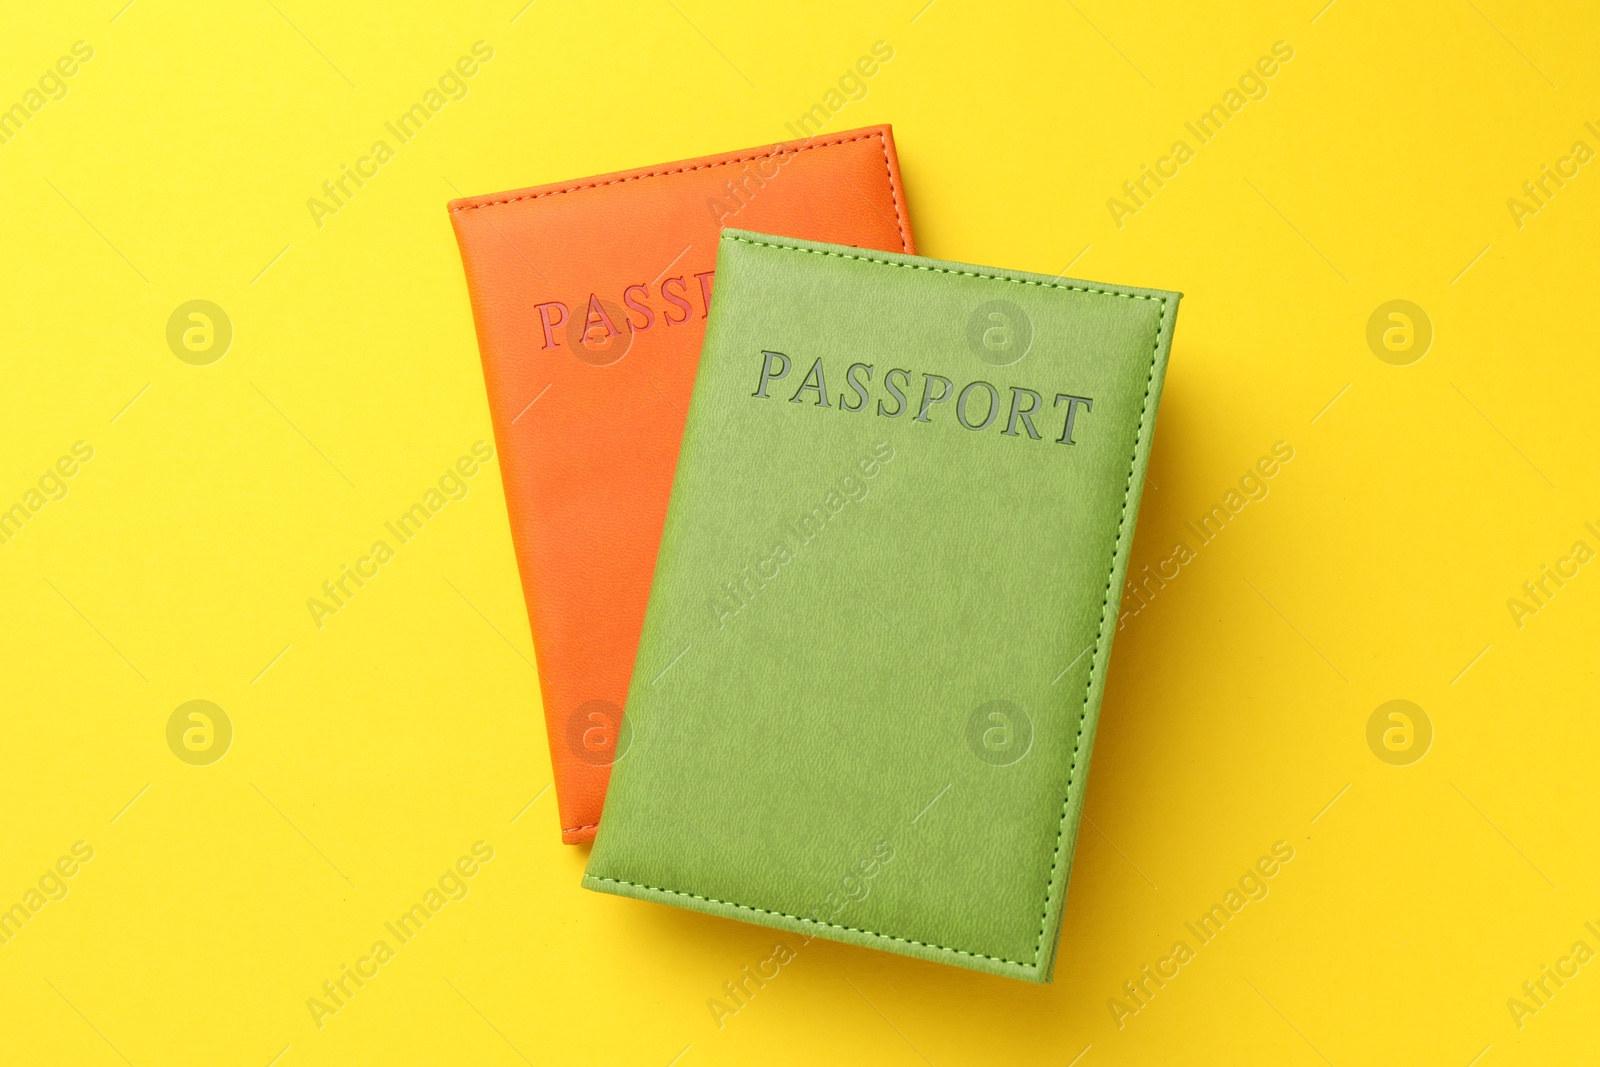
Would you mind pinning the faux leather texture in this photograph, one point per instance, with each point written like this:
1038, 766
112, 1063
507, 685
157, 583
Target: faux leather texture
590, 300
872, 662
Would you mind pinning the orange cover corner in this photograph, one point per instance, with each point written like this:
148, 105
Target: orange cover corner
590, 299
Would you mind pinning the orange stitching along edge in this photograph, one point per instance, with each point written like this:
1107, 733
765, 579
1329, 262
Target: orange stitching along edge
894, 189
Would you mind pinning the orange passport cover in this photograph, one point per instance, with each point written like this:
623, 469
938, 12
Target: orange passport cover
590, 299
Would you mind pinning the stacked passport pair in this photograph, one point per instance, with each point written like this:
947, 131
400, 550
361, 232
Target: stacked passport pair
822, 542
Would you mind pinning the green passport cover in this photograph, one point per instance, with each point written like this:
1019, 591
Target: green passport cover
875, 646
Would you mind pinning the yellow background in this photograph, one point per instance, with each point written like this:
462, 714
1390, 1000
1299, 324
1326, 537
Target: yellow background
371, 753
